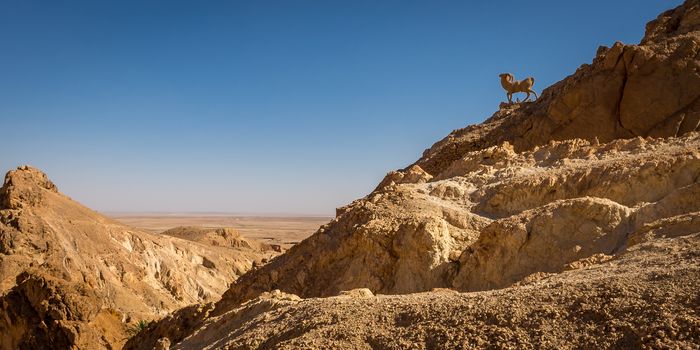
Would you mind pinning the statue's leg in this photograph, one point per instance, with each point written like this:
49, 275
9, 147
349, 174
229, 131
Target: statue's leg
510, 98
533, 91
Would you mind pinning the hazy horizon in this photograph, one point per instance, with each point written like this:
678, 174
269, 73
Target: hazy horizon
268, 107
212, 214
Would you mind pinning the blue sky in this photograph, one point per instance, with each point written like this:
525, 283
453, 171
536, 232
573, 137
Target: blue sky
268, 107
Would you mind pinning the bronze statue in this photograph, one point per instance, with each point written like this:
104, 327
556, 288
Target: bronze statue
513, 86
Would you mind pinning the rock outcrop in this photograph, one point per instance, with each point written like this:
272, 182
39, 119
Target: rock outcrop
606, 160
492, 222
46, 312
646, 298
650, 89
218, 237
516, 170
82, 260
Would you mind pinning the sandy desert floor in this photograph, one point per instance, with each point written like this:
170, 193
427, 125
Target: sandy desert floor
285, 231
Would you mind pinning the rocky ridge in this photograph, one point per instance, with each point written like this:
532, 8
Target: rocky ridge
644, 298
97, 276
218, 237
605, 162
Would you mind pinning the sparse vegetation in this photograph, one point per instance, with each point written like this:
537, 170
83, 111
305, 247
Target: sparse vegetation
137, 327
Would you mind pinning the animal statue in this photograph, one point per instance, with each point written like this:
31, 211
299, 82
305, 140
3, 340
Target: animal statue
513, 86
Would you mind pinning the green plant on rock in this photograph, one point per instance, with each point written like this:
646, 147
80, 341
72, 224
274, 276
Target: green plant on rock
137, 327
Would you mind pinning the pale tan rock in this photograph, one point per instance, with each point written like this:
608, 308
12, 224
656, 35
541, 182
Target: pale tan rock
162, 344
592, 260
137, 275
357, 293
534, 213
550, 312
541, 193
24, 187
674, 226
414, 174
546, 239
650, 89
220, 237
567, 222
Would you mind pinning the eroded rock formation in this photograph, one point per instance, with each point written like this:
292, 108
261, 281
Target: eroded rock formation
645, 298
562, 189
81, 259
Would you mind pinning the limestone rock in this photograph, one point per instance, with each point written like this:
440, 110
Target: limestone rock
598, 177
357, 293
220, 237
24, 187
81, 254
162, 344
414, 174
538, 210
582, 308
545, 239
650, 89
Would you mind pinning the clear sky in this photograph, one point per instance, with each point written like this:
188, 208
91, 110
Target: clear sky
292, 107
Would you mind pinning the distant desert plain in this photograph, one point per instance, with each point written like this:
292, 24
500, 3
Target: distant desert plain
282, 230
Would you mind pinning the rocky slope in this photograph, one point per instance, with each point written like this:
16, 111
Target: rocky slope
606, 161
70, 276
218, 237
650, 89
644, 298
408, 235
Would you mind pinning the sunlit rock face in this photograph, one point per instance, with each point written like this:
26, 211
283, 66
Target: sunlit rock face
548, 218
54, 249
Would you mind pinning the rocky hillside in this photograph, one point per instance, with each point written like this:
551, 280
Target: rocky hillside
72, 277
644, 298
410, 233
218, 237
607, 161
648, 90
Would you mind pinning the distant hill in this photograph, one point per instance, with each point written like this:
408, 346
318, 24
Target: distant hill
72, 277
